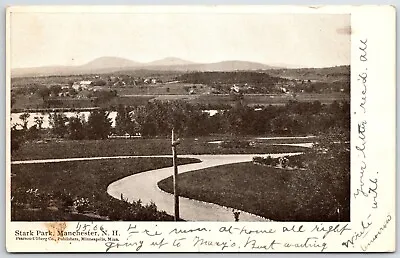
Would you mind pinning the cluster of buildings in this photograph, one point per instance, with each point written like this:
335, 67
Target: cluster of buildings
82, 85
236, 88
112, 81
117, 81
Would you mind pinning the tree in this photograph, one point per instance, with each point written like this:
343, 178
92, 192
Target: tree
24, 118
55, 90
58, 123
237, 119
72, 92
44, 93
76, 128
100, 83
99, 125
143, 118
103, 96
123, 121
17, 137
39, 122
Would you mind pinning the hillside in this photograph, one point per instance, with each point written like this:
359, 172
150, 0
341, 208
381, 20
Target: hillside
109, 62
169, 61
328, 74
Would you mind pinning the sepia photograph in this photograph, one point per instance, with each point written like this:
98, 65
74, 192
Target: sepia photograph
230, 117
168, 129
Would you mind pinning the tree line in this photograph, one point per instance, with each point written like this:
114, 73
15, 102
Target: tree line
295, 118
189, 120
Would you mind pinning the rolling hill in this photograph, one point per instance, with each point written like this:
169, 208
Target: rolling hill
116, 64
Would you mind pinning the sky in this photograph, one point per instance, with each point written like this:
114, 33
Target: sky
302, 40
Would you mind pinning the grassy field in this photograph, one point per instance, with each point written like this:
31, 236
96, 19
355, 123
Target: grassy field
119, 147
127, 101
28, 102
277, 194
56, 182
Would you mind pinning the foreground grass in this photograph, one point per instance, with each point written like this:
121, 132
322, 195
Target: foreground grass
120, 147
84, 179
277, 194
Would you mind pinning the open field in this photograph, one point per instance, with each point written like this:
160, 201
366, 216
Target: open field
277, 194
119, 147
56, 182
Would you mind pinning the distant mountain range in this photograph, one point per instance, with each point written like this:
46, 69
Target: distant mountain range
116, 64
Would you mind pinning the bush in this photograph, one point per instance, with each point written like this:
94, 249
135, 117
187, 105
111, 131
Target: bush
135, 211
267, 161
297, 161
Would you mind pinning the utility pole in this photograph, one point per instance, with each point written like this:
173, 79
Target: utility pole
174, 160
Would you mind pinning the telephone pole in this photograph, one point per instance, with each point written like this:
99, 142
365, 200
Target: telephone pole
174, 160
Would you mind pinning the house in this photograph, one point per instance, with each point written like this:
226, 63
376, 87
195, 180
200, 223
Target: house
151, 80
82, 85
85, 84
284, 90
63, 94
76, 86
235, 88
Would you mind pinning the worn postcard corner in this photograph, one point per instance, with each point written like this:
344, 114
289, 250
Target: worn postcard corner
200, 129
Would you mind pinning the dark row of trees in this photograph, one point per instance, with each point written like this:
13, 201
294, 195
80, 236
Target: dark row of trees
295, 118
158, 118
97, 126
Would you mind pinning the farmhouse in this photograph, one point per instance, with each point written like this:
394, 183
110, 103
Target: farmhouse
82, 85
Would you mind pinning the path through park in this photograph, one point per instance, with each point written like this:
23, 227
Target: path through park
143, 186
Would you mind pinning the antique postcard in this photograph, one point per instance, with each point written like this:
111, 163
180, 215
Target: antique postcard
200, 129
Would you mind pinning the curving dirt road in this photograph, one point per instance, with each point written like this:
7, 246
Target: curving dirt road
143, 186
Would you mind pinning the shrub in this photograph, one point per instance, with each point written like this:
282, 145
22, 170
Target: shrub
267, 161
81, 204
297, 161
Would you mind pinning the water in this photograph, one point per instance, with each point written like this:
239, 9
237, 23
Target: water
15, 117
46, 123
